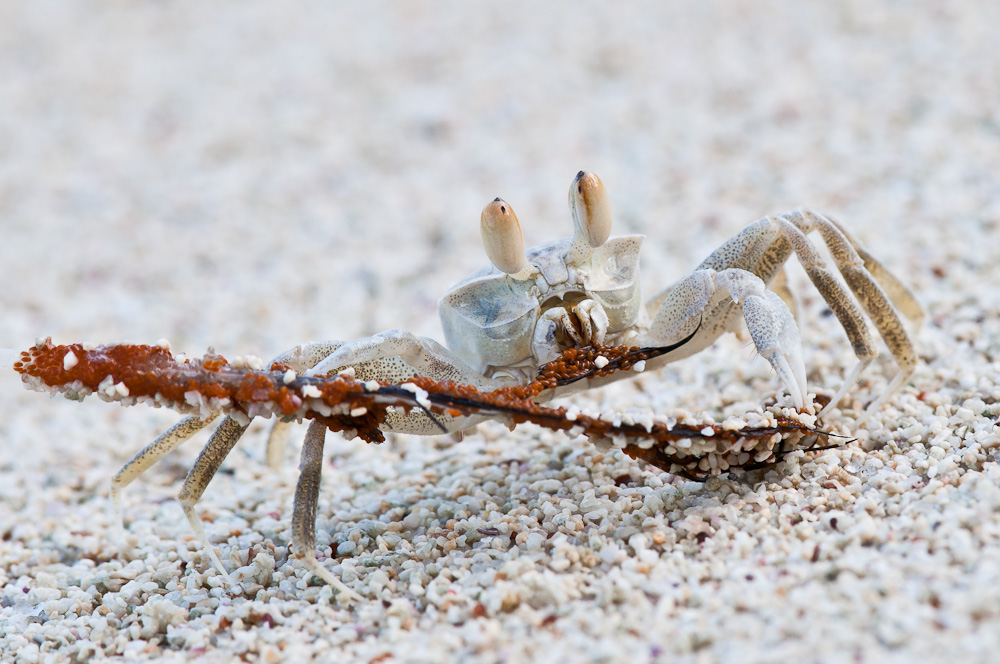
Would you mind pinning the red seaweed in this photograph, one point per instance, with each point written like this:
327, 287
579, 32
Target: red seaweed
138, 373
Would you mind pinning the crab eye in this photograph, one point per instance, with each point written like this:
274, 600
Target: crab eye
502, 237
591, 207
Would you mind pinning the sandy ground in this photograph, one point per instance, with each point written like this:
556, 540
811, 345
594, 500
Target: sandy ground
247, 176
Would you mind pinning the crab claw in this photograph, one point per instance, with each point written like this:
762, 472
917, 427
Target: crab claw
772, 328
777, 339
591, 207
503, 240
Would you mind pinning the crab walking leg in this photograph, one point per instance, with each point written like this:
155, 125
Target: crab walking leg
869, 293
699, 297
837, 298
149, 455
277, 442
304, 512
779, 284
305, 356
393, 356
899, 294
301, 358
222, 441
416, 354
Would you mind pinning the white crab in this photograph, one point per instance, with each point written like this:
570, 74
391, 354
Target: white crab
503, 322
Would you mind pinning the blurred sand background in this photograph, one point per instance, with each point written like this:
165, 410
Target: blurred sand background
252, 175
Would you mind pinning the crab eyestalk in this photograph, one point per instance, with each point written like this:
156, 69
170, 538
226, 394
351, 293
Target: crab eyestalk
503, 240
591, 208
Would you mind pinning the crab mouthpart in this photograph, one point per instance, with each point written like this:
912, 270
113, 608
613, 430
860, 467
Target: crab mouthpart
580, 321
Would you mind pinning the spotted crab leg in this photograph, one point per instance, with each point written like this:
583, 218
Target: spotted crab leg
870, 283
222, 441
149, 455
304, 510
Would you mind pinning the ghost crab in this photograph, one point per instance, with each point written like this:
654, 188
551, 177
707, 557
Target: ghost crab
501, 325
504, 322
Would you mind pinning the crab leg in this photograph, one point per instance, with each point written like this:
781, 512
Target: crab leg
277, 441
763, 247
779, 284
222, 441
401, 355
844, 307
149, 455
869, 292
301, 358
694, 302
304, 511
899, 294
